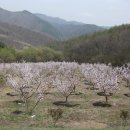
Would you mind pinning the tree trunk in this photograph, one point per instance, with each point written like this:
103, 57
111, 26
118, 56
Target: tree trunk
106, 99
74, 89
66, 99
27, 106
31, 111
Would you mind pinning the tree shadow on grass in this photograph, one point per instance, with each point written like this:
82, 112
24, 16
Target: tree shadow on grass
127, 94
101, 104
91, 88
103, 94
62, 103
79, 93
12, 94
48, 93
17, 112
18, 101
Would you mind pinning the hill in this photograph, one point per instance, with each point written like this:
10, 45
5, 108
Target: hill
70, 29
57, 28
19, 37
111, 45
56, 20
29, 21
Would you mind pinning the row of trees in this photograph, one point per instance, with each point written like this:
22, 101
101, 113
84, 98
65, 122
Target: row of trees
44, 54
33, 80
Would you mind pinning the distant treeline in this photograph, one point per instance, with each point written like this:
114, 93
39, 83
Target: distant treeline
43, 54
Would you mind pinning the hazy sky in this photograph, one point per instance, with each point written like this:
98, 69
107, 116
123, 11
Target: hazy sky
100, 12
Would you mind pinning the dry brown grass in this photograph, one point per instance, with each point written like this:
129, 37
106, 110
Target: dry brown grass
81, 116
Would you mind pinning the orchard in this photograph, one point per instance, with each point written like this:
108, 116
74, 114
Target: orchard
68, 88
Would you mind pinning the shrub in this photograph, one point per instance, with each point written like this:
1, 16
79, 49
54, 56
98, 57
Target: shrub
124, 114
56, 114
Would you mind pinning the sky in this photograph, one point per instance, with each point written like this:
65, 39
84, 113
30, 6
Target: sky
99, 12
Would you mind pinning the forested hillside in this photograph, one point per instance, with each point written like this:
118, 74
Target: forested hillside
111, 45
32, 54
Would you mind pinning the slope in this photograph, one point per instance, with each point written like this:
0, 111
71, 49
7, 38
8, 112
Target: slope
70, 29
56, 20
28, 20
19, 37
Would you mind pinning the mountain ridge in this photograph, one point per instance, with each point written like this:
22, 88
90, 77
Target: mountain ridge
57, 20
19, 37
48, 25
70, 29
28, 20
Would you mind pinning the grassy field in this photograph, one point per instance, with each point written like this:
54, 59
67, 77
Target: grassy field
79, 115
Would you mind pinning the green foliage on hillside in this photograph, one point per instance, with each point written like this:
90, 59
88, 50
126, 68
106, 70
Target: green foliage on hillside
29, 55
39, 55
111, 45
6, 54
2, 45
